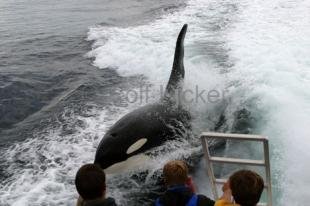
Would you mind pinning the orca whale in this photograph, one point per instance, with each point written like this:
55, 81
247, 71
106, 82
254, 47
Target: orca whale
151, 125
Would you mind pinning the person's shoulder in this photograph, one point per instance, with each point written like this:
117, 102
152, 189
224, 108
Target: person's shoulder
223, 202
110, 202
205, 201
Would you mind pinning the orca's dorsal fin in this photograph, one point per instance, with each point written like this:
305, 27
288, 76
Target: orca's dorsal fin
177, 74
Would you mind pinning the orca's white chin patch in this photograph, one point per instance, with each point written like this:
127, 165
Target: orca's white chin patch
132, 163
137, 145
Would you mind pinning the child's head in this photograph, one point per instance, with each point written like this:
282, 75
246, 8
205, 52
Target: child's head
90, 182
175, 172
246, 187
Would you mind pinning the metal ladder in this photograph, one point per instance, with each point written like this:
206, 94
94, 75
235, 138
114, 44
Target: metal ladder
212, 159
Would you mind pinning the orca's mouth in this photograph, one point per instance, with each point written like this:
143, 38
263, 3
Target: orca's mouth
132, 163
106, 161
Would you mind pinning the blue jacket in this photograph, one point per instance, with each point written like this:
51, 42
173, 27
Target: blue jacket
182, 196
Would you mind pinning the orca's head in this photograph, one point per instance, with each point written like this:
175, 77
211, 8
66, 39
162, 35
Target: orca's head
118, 147
135, 133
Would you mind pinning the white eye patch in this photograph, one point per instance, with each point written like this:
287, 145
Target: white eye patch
137, 145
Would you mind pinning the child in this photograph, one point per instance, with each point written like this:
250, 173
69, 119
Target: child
244, 187
90, 184
180, 190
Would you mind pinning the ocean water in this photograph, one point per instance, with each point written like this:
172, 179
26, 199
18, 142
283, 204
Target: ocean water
67, 69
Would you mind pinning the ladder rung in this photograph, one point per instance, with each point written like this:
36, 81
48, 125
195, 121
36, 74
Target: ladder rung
223, 181
233, 136
262, 204
238, 161
220, 181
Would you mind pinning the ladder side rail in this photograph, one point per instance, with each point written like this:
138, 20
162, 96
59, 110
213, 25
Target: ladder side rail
268, 173
209, 166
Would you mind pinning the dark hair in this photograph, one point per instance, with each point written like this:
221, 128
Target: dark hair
246, 187
90, 181
175, 172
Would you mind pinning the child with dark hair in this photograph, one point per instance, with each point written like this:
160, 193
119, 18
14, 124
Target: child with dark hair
244, 188
180, 189
90, 184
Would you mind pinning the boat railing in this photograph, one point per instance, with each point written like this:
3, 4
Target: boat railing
210, 160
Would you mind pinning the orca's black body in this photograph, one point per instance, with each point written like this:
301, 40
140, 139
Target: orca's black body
153, 123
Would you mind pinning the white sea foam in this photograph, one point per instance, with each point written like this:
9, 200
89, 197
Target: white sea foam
49, 163
270, 44
43, 168
267, 44
149, 49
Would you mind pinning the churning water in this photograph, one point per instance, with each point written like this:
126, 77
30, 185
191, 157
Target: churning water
67, 69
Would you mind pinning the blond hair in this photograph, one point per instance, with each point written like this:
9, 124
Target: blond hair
175, 172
